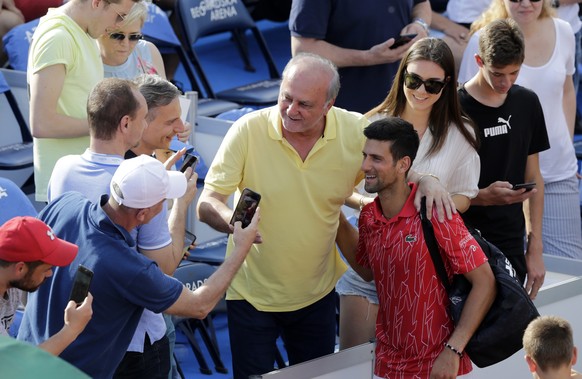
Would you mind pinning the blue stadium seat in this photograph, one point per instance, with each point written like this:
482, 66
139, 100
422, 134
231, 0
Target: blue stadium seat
199, 18
158, 30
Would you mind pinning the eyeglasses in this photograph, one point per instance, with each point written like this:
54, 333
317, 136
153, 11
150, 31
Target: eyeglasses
121, 36
519, 1
121, 16
432, 86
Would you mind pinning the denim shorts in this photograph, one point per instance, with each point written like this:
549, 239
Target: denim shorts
351, 284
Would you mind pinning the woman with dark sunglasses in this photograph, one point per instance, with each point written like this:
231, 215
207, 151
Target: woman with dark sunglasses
547, 70
124, 52
424, 93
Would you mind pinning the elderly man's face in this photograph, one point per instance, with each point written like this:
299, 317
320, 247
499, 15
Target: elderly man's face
303, 100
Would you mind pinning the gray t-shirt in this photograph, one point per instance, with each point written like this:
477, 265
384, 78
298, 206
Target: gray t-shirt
9, 303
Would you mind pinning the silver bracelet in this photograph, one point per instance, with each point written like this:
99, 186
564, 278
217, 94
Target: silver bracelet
423, 175
422, 23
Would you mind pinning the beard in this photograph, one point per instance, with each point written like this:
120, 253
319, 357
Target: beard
25, 284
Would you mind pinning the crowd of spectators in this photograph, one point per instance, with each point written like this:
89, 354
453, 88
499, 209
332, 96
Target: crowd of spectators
479, 97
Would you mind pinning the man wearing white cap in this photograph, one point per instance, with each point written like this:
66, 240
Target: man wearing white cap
28, 251
124, 282
117, 115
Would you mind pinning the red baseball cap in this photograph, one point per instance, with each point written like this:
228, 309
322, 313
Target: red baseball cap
27, 239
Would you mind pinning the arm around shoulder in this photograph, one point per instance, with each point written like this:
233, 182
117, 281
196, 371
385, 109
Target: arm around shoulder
347, 241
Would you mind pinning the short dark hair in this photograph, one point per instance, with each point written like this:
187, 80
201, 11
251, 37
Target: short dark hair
31, 265
109, 101
400, 132
501, 43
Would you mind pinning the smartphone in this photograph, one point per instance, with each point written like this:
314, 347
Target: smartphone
402, 40
189, 239
527, 186
81, 284
189, 160
246, 207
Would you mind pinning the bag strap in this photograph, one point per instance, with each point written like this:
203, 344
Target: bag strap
433, 248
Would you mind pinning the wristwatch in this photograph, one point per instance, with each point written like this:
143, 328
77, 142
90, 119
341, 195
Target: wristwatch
422, 23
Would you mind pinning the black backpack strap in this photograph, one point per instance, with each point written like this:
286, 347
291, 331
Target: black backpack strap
433, 248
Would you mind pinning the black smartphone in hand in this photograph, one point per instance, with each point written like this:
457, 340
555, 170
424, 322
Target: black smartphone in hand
189, 240
402, 40
527, 186
246, 207
81, 284
189, 160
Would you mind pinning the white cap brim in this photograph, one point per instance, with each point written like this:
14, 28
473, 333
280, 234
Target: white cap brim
177, 184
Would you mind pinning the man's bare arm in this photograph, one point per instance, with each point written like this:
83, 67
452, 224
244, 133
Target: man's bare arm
212, 210
169, 257
534, 210
76, 319
478, 303
200, 302
343, 57
45, 89
347, 242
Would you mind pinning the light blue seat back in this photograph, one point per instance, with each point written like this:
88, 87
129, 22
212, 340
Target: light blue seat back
13, 202
17, 43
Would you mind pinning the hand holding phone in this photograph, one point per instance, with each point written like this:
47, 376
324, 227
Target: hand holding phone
189, 160
402, 40
81, 284
527, 186
189, 240
246, 207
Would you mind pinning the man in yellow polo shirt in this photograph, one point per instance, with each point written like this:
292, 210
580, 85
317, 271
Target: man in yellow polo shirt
303, 156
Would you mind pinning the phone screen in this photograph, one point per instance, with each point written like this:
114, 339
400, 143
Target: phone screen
189, 160
81, 284
246, 207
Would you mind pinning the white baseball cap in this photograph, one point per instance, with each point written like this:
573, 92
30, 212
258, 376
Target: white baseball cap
143, 181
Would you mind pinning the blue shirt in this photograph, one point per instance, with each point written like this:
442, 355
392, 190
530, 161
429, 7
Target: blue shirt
124, 283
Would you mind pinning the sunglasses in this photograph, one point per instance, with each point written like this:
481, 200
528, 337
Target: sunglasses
519, 1
130, 37
432, 86
121, 17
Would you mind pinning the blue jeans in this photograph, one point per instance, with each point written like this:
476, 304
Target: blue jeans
308, 333
153, 363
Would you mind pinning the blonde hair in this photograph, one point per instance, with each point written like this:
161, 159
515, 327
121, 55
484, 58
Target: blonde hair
497, 10
139, 12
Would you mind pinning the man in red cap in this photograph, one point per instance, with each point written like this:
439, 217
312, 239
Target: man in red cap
28, 251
